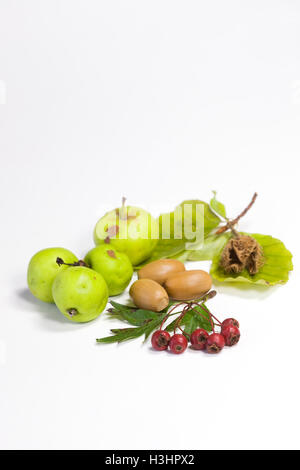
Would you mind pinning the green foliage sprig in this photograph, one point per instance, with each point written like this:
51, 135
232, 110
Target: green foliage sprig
218, 230
144, 322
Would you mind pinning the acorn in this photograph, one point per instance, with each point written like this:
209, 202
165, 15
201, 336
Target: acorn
188, 285
160, 270
149, 295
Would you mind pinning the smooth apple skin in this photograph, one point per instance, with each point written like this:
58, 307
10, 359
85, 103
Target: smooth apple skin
114, 266
81, 289
138, 241
43, 269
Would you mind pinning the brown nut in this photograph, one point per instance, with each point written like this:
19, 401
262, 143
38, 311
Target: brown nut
160, 270
188, 285
149, 295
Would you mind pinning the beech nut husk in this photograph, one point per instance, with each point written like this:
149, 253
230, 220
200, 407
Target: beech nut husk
160, 270
242, 252
149, 295
188, 285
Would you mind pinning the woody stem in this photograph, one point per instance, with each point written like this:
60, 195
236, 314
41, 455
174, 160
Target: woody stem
231, 223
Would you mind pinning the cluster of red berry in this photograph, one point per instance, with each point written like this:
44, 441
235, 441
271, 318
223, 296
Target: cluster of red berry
200, 339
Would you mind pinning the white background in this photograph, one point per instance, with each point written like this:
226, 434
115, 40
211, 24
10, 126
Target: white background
158, 101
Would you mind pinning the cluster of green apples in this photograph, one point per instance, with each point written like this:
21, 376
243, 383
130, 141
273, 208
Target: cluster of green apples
80, 289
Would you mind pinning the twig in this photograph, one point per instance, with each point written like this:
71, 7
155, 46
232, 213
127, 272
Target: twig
230, 224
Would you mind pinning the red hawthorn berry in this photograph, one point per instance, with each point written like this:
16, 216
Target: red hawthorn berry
178, 344
199, 339
160, 340
231, 335
215, 343
230, 322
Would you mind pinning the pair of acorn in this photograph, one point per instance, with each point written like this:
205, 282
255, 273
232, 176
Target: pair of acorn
165, 279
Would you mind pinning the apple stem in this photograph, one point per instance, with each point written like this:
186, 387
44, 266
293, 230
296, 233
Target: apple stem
60, 261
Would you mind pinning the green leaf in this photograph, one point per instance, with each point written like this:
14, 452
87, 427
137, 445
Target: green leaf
119, 311
182, 256
121, 307
277, 264
146, 321
210, 220
139, 317
124, 334
168, 245
194, 318
191, 323
210, 247
217, 206
153, 325
120, 330
171, 325
134, 316
199, 319
165, 249
182, 235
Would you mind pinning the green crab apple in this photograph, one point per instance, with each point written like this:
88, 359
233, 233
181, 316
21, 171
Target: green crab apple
114, 266
80, 293
130, 230
43, 269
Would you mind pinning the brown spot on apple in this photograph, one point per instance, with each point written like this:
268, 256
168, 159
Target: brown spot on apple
112, 231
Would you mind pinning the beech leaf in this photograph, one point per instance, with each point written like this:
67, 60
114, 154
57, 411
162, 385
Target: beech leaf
176, 247
217, 206
211, 245
275, 270
165, 249
210, 220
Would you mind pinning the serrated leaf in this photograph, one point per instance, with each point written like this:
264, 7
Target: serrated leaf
119, 330
134, 316
140, 317
151, 326
276, 268
191, 323
202, 313
217, 206
114, 314
194, 318
171, 326
121, 307
199, 319
125, 334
